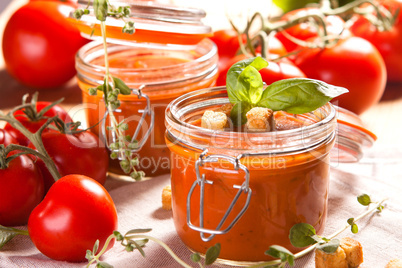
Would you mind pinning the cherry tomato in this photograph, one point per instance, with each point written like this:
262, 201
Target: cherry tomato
21, 190
81, 153
227, 42
388, 43
275, 71
39, 44
76, 212
6, 138
353, 63
33, 125
306, 30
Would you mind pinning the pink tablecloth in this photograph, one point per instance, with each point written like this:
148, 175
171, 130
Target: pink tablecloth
378, 174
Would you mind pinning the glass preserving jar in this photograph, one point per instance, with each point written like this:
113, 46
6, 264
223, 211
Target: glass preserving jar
246, 190
166, 57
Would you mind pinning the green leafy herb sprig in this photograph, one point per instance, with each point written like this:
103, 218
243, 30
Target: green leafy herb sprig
296, 95
136, 240
304, 235
122, 146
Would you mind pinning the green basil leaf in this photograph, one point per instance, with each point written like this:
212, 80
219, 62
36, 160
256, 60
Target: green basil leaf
238, 113
244, 82
298, 95
100, 9
329, 247
212, 254
300, 235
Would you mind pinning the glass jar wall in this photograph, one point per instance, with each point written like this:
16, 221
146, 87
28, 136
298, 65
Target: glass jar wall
162, 72
281, 179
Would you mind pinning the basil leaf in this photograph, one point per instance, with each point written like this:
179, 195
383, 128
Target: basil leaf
244, 82
238, 113
298, 95
300, 235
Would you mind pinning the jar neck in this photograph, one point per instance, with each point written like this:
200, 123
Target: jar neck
181, 112
151, 67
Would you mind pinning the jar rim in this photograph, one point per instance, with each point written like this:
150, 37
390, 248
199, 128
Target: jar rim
283, 141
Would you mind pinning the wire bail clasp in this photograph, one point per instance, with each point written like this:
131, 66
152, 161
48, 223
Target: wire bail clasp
146, 112
201, 181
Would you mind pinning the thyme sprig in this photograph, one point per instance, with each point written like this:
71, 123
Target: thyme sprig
136, 240
122, 146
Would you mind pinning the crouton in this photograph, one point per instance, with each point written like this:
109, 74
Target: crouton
331, 260
214, 120
167, 198
353, 250
395, 263
260, 119
226, 109
349, 254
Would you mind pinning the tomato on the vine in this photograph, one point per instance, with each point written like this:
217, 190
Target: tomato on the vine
39, 44
275, 71
303, 31
353, 63
75, 213
227, 42
388, 43
21, 190
82, 153
33, 124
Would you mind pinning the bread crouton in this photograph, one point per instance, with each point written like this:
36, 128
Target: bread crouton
348, 255
260, 119
395, 263
226, 109
331, 260
214, 120
167, 198
353, 250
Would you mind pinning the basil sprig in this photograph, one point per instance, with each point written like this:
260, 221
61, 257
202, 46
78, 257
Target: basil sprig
295, 95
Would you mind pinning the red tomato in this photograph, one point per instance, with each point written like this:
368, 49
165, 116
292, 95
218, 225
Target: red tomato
307, 30
20, 191
81, 153
227, 42
6, 138
388, 43
275, 71
76, 212
39, 44
353, 63
33, 124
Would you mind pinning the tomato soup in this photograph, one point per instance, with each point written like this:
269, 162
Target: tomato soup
162, 73
281, 178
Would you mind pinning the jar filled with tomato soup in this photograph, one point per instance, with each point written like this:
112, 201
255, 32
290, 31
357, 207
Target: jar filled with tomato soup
245, 190
167, 56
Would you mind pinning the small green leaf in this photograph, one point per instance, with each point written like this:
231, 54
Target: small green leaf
351, 221
100, 9
195, 257
298, 95
103, 264
364, 199
329, 247
139, 247
354, 228
89, 256
244, 82
124, 89
238, 113
380, 208
300, 235
281, 253
118, 235
212, 254
138, 231
96, 246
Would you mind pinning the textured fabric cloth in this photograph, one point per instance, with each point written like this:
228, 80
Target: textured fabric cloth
139, 206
